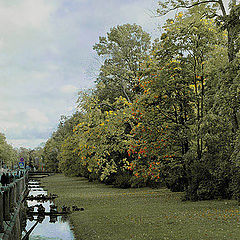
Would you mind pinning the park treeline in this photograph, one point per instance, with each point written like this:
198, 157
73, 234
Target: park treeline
163, 111
8, 155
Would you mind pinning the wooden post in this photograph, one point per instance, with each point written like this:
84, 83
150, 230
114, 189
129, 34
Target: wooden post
1, 212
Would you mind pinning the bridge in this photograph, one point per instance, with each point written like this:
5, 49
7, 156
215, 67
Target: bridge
11, 198
39, 174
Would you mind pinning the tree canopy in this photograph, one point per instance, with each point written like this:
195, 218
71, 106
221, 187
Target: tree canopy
8, 155
164, 111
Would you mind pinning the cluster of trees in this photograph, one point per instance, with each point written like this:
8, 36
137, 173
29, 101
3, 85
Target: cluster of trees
33, 158
163, 111
8, 155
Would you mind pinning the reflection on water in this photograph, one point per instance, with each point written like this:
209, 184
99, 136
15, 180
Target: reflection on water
49, 227
48, 230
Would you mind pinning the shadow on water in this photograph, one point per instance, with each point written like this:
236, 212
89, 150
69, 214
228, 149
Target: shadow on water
44, 227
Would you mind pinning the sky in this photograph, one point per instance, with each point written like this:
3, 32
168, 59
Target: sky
46, 57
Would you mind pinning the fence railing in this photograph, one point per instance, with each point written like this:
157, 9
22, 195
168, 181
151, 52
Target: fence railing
11, 197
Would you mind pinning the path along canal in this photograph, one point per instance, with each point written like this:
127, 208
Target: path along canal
49, 227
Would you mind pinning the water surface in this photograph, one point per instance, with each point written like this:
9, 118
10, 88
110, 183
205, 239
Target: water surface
57, 228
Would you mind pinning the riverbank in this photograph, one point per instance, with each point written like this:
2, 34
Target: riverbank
142, 214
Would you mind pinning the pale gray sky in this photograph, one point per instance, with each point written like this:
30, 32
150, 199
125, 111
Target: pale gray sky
46, 57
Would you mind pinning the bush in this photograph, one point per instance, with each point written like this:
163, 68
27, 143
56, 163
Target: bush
92, 177
175, 179
209, 180
123, 180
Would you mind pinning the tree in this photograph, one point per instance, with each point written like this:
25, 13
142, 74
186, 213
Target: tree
229, 22
166, 114
37, 157
180, 94
52, 147
102, 139
123, 50
8, 154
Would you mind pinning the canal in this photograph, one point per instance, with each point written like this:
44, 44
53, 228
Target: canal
48, 227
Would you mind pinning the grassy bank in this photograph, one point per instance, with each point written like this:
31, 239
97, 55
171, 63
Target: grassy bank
144, 214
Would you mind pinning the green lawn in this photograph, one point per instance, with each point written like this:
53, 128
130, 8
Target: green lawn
122, 214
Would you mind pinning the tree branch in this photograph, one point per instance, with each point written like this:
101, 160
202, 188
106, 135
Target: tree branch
198, 3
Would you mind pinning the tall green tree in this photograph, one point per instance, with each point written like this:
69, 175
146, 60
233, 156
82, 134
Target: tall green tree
52, 147
123, 50
222, 98
229, 22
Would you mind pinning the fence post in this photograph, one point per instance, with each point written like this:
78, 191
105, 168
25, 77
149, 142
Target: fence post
17, 190
1, 212
21, 186
12, 197
15, 194
6, 203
